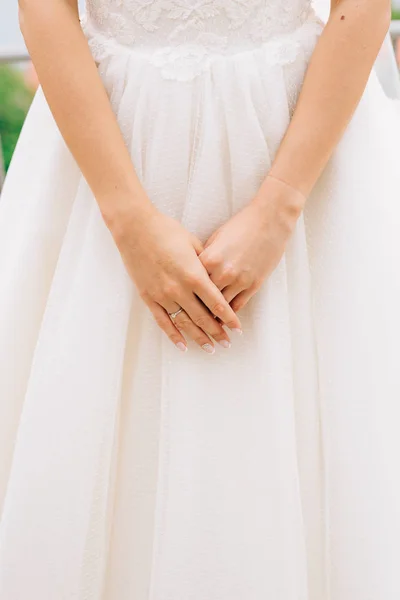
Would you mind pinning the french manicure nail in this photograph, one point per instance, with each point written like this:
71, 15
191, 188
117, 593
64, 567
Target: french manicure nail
181, 346
225, 343
237, 330
208, 348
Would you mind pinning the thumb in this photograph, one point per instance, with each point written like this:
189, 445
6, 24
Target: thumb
210, 239
197, 245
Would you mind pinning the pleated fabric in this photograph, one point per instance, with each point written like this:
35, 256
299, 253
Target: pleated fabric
130, 471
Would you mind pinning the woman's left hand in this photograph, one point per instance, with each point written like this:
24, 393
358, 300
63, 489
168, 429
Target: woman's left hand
246, 249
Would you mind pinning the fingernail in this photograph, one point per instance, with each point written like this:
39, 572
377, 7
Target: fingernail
237, 330
225, 343
181, 346
208, 348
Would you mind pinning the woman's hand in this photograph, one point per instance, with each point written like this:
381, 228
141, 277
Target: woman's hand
162, 259
246, 249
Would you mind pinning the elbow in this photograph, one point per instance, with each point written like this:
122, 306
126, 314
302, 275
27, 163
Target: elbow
33, 14
26, 8
384, 11
381, 14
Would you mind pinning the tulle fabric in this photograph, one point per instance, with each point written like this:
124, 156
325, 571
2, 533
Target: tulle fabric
132, 471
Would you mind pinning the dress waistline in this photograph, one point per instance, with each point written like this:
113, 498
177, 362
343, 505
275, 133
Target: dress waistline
185, 61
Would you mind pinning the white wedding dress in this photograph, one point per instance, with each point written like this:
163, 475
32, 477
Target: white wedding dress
270, 471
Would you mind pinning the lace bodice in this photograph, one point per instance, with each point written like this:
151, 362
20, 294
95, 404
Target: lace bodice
220, 23
181, 36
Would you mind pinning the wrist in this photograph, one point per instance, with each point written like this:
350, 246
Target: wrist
277, 198
127, 214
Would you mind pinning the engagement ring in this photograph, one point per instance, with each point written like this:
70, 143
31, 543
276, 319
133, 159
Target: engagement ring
174, 314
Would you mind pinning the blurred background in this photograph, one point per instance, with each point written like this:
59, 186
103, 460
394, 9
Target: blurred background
18, 80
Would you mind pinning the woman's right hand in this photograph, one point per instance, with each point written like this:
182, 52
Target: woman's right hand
160, 256
162, 259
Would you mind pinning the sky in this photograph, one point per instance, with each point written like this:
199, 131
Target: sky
10, 37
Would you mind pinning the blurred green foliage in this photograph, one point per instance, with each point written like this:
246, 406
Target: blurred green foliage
395, 14
15, 99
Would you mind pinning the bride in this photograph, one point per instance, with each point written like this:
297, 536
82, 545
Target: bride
199, 306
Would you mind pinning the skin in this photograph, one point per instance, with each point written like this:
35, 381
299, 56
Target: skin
246, 249
169, 266
161, 257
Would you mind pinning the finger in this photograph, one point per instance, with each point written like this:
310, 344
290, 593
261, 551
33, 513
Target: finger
195, 331
223, 277
204, 320
210, 239
165, 323
184, 323
197, 245
213, 299
210, 260
231, 291
225, 274
170, 306
242, 298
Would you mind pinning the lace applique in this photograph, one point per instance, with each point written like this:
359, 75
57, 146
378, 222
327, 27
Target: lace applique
152, 22
182, 37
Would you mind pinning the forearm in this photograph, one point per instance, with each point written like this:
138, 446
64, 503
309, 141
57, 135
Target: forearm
333, 85
79, 103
